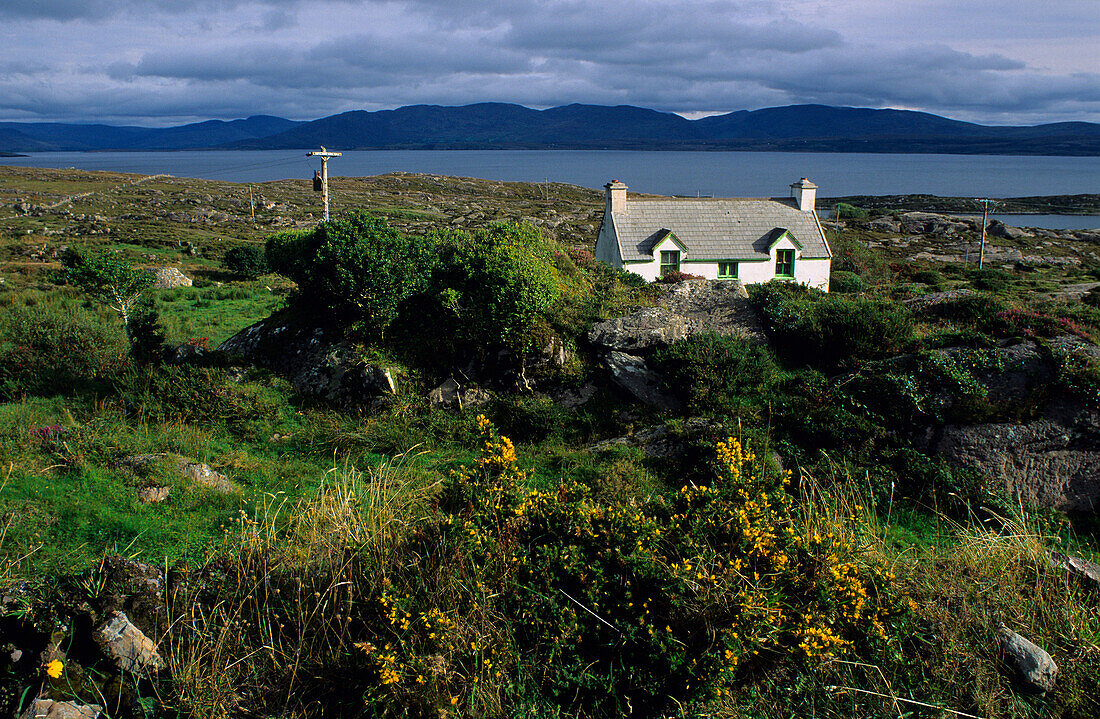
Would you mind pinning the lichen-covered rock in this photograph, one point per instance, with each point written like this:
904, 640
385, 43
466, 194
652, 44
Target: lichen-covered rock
1035, 668
199, 473
127, 646
452, 394
50, 709
153, 495
1046, 462
169, 277
684, 308
932, 299
630, 373
1088, 572
648, 327
205, 476
319, 363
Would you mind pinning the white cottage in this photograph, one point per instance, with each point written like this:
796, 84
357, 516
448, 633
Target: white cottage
751, 240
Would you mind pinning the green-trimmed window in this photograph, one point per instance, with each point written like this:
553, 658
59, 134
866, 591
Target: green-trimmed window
784, 263
670, 261
727, 270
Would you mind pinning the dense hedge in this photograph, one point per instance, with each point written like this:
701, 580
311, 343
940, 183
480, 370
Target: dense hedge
827, 331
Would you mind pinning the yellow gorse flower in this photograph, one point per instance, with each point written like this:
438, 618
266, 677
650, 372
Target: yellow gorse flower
55, 668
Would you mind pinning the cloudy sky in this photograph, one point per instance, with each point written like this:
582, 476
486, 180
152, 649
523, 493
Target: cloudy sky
160, 62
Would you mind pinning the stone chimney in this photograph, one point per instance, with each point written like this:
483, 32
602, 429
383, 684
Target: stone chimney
805, 192
614, 197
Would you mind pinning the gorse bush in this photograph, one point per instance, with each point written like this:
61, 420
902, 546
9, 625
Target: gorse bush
57, 350
574, 606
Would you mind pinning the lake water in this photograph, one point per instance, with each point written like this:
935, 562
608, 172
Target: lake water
720, 174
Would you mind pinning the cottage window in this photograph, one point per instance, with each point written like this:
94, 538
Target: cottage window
670, 261
727, 270
784, 263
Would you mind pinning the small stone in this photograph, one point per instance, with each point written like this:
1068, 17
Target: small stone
204, 475
153, 495
130, 649
49, 709
1034, 666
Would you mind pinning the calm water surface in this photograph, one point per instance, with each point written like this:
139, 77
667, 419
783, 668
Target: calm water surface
721, 174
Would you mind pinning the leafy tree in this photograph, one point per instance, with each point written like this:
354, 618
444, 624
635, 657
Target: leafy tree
108, 278
498, 283
357, 266
247, 261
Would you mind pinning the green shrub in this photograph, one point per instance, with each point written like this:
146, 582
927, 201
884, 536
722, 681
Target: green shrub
358, 268
846, 283
496, 285
930, 278
53, 350
830, 332
718, 374
844, 211
146, 333
978, 312
247, 261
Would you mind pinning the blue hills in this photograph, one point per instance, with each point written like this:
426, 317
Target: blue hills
805, 128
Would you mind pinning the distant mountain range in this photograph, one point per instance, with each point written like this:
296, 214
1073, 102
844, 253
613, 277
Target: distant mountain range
804, 128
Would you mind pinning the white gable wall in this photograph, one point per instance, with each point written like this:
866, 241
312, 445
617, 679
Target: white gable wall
607, 247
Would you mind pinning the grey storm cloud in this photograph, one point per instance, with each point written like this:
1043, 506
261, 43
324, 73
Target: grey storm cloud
171, 60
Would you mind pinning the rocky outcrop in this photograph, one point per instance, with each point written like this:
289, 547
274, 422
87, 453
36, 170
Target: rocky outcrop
647, 328
169, 277
1084, 570
630, 373
1050, 462
933, 299
50, 709
684, 309
319, 363
453, 395
1000, 229
127, 646
915, 223
1035, 669
662, 441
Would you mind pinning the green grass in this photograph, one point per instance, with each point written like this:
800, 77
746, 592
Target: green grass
213, 312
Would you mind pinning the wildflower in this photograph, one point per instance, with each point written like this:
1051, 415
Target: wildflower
54, 668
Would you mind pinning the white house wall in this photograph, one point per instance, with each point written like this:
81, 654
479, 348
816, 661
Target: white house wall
812, 272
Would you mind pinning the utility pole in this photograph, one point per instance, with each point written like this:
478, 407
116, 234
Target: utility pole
986, 204
324, 155
251, 203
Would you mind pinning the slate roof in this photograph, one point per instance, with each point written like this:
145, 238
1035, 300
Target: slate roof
716, 229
